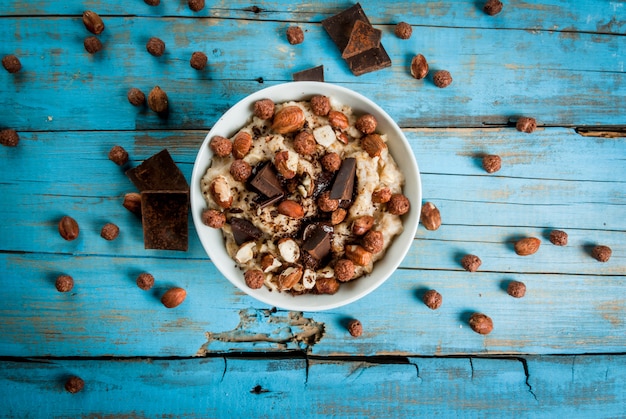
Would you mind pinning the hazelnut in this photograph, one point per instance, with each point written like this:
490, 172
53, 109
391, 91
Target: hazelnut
196, 5
362, 225
344, 270
264, 108
331, 162
304, 143
213, 218
373, 241
254, 278
430, 216
492, 163
373, 144
601, 253
173, 297
93, 22
338, 120
132, 202
558, 238
157, 100
68, 228
419, 67
64, 283
481, 323
526, 124
11, 63
355, 328
442, 78
9, 137
516, 289
295, 35
398, 204
145, 281
471, 263
92, 44
241, 144
381, 196
326, 204
220, 146
492, 7
136, 97
198, 60
109, 231
118, 155
338, 216
320, 105
240, 170
527, 246
155, 46
403, 30
366, 124
432, 299
74, 384
326, 285
152, 2
358, 254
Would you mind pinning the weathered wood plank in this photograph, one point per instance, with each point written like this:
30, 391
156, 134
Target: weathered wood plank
534, 387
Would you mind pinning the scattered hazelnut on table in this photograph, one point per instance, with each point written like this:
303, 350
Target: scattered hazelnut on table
198, 60
403, 30
92, 44
481, 323
157, 100
355, 328
196, 5
492, 163
471, 263
264, 108
68, 228
74, 384
430, 216
527, 246
558, 238
64, 283
320, 105
526, 124
93, 22
240, 170
492, 7
118, 155
220, 146
344, 270
254, 278
366, 124
516, 289
173, 297
145, 281
155, 46
109, 231
132, 202
432, 299
442, 78
419, 67
11, 63
136, 97
152, 2
398, 204
213, 218
9, 137
601, 253
295, 35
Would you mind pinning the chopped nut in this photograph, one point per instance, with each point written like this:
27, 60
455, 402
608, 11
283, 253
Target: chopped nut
326, 204
492, 163
118, 155
432, 299
145, 281
220, 146
558, 237
403, 30
245, 253
9, 137
601, 253
398, 204
338, 120
254, 278
358, 254
419, 67
362, 225
220, 192
373, 144
213, 218
344, 270
492, 7
471, 263
240, 170
264, 108
526, 124
286, 164
325, 135
198, 60
109, 231
92, 44
481, 323
355, 328
64, 283
269, 263
516, 289
366, 124
242, 144
295, 35
136, 97
442, 78
289, 250
11, 63
381, 196
373, 241
304, 143
320, 105
430, 216
155, 46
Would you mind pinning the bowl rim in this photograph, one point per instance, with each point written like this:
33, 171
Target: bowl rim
348, 292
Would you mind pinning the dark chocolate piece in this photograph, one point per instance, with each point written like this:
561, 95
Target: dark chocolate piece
344, 182
372, 60
364, 37
164, 217
266, 182
263, 201
244, 231
318, 243
322, 183
158, 173
311, 74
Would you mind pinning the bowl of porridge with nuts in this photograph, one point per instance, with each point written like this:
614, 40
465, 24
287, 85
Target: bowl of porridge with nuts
306, 195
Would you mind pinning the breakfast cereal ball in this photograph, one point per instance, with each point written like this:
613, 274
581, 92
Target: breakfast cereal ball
320, 105
155, 46
221, 146
432, 299
355, 328
344, 270
398, 204
198, 60
264, 108
196, 5
516, 289
11, 63
109, 231
64, 283
118, 155
558, 238
295, 35
373, 241
471, 263
74, 384
136, 97
213, 218
366, 124
442, 78
92, 44
403, 30
493, 7
240, 170
492, 163
326, 285
331, 162
254, 278
9, 137
326, 204
304, 143
152, 2
145, 281
526, 124
601, 253
381, 196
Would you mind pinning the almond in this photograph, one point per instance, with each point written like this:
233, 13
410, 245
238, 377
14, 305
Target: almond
430, 216
93, 22
290, 277
358, 254
419, 67
288, 119
173, 297
527, 246
291, 209
220, 192
373, 144
241, 144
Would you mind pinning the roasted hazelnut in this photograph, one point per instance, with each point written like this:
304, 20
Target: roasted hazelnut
295, 35
254, 278
492, 163
152, 2
366, 124
471, 263
601, 253
11, 63
344, 270
136, 97
419, 67
196, 5
64, 283
132, 202
481, 323
213, 218
398, 204
92, 44
516, 289
241, 144
492, 7
304, 143
381, 196
93, 22
198, 60
264, 108
442, 78
558, 238
362, 225
355, 328
145, 281
9, 137
326, 285
373, 241
432, 299
526, 124
109, 231
338, 216
74, 384
68, 228
338, 120
403, 30
118, 155
157, 100
320, 105
326, 204
220, 146
240, 170
155, 46
331, 162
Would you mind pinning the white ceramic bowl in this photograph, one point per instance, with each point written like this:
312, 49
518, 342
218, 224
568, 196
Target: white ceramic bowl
213, 243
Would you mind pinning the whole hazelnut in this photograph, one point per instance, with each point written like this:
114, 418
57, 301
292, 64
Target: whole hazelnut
109, 231
254, 278
442, 78
240, 170
320, 105
198, 60
74, 384
601, 253
136, 97
11, 63
355, 328
196, 5
492, 163
398, 204
155, 46
430, 217
493, 7
118, 155
241, 144
558, 238
526, 124
264, 108
366, 124
92, 44
173, 297
295, 35
304, 143
338, 120
403, 30
93, 22
64, 283
344, 270
516, 289
373, 241
432, 299
220, 146
471, 263
419, 67
213, 218
132, 202
481, 323
331, 162
145, 281
68, 228
9, 137
157, 100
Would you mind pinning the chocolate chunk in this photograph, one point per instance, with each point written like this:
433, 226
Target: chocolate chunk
311, 74
344, 182
266, 182
322, 183
164, 218
364, 37
158, 173
263, 201
318, 243
244, 230
372, 60
339, 26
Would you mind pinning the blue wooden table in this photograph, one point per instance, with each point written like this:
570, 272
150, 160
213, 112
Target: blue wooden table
559, 350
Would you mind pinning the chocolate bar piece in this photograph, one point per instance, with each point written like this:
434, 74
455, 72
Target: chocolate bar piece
244, 230
311, 74
164, 217
266, 182
318, 243
344, 182
340, 26
372, 60
158, 173
363, 38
